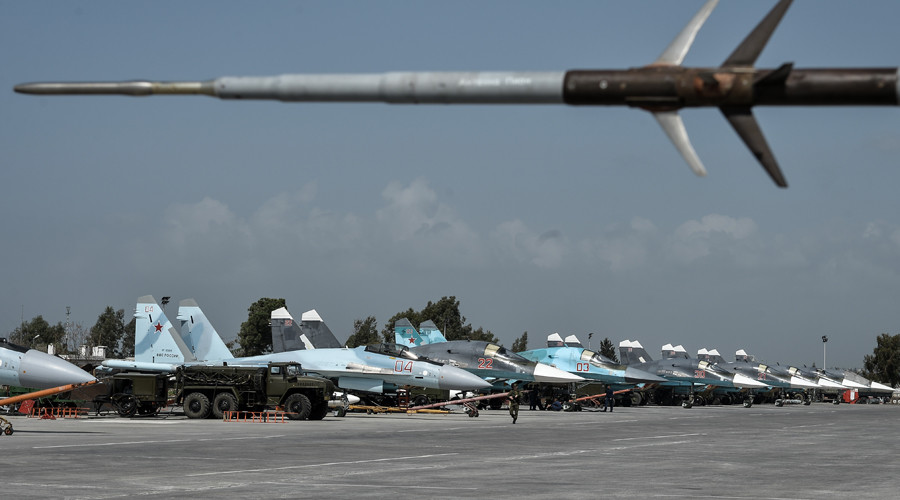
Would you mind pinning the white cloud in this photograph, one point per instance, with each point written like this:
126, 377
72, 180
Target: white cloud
422, 228
715, 234
516, 242
623, 248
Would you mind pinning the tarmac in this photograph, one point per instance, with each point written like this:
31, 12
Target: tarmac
762, 452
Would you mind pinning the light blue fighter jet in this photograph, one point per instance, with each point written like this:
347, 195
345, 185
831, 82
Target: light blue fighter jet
160, 347
571, 356
24, 367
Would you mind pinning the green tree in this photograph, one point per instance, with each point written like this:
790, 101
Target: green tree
109, 331
445, 314
608, 349
521, 343
255, 336
883, 365
127, 348
38, 334
365, 332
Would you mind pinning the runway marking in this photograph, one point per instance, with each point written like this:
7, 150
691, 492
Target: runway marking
326, 464
667, 443
661, 436
86, 445
755, 497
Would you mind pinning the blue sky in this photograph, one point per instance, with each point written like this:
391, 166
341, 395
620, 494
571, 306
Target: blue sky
538, 218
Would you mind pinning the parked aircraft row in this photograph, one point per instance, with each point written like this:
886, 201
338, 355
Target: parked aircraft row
425, 358
711, 372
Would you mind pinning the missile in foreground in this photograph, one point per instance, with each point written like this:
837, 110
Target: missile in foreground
662, 88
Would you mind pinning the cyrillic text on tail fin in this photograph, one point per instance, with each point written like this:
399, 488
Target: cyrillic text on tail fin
155, 340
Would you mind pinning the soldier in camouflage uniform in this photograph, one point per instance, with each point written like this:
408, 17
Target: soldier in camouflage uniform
514, 396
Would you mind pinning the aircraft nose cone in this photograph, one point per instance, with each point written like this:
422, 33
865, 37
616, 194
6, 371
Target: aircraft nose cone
741, 380
824, 382
875, 386
40, 370
549, 374
803, 382
637, 376
457, 379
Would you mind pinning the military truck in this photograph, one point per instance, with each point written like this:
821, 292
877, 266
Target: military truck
131, 393
206, 391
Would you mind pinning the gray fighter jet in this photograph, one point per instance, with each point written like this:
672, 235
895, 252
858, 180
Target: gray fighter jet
685, 376
24, 367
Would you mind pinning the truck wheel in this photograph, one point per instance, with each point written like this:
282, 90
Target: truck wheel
420, 400
196, 405
224, 402
126, 405
297, 406
319, 411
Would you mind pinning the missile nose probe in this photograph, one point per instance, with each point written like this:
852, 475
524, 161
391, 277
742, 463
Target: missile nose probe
133, 88
662, 88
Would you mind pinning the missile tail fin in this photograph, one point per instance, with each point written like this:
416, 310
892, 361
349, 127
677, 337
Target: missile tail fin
748, 51
675, 52
671, 123
743, 122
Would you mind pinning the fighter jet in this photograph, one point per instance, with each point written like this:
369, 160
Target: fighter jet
777, 375
159, 347
771, 379
24, 367
853, 380
487, 360
662, 88
571, 356
683, 374
825, 382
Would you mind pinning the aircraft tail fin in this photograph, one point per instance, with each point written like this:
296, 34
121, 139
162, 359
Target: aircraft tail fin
313, 327
633, 353
714, 357
572, 341
405, 333
430, 333
286, 333
155, 340
670, 352
198, 333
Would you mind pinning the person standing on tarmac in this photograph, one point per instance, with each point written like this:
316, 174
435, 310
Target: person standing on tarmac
513, 397
609, 401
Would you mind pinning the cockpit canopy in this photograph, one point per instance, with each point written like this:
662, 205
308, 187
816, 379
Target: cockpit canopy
498, 351
398, 351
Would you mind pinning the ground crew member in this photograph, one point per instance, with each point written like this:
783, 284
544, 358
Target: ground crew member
513, 396
608, 402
